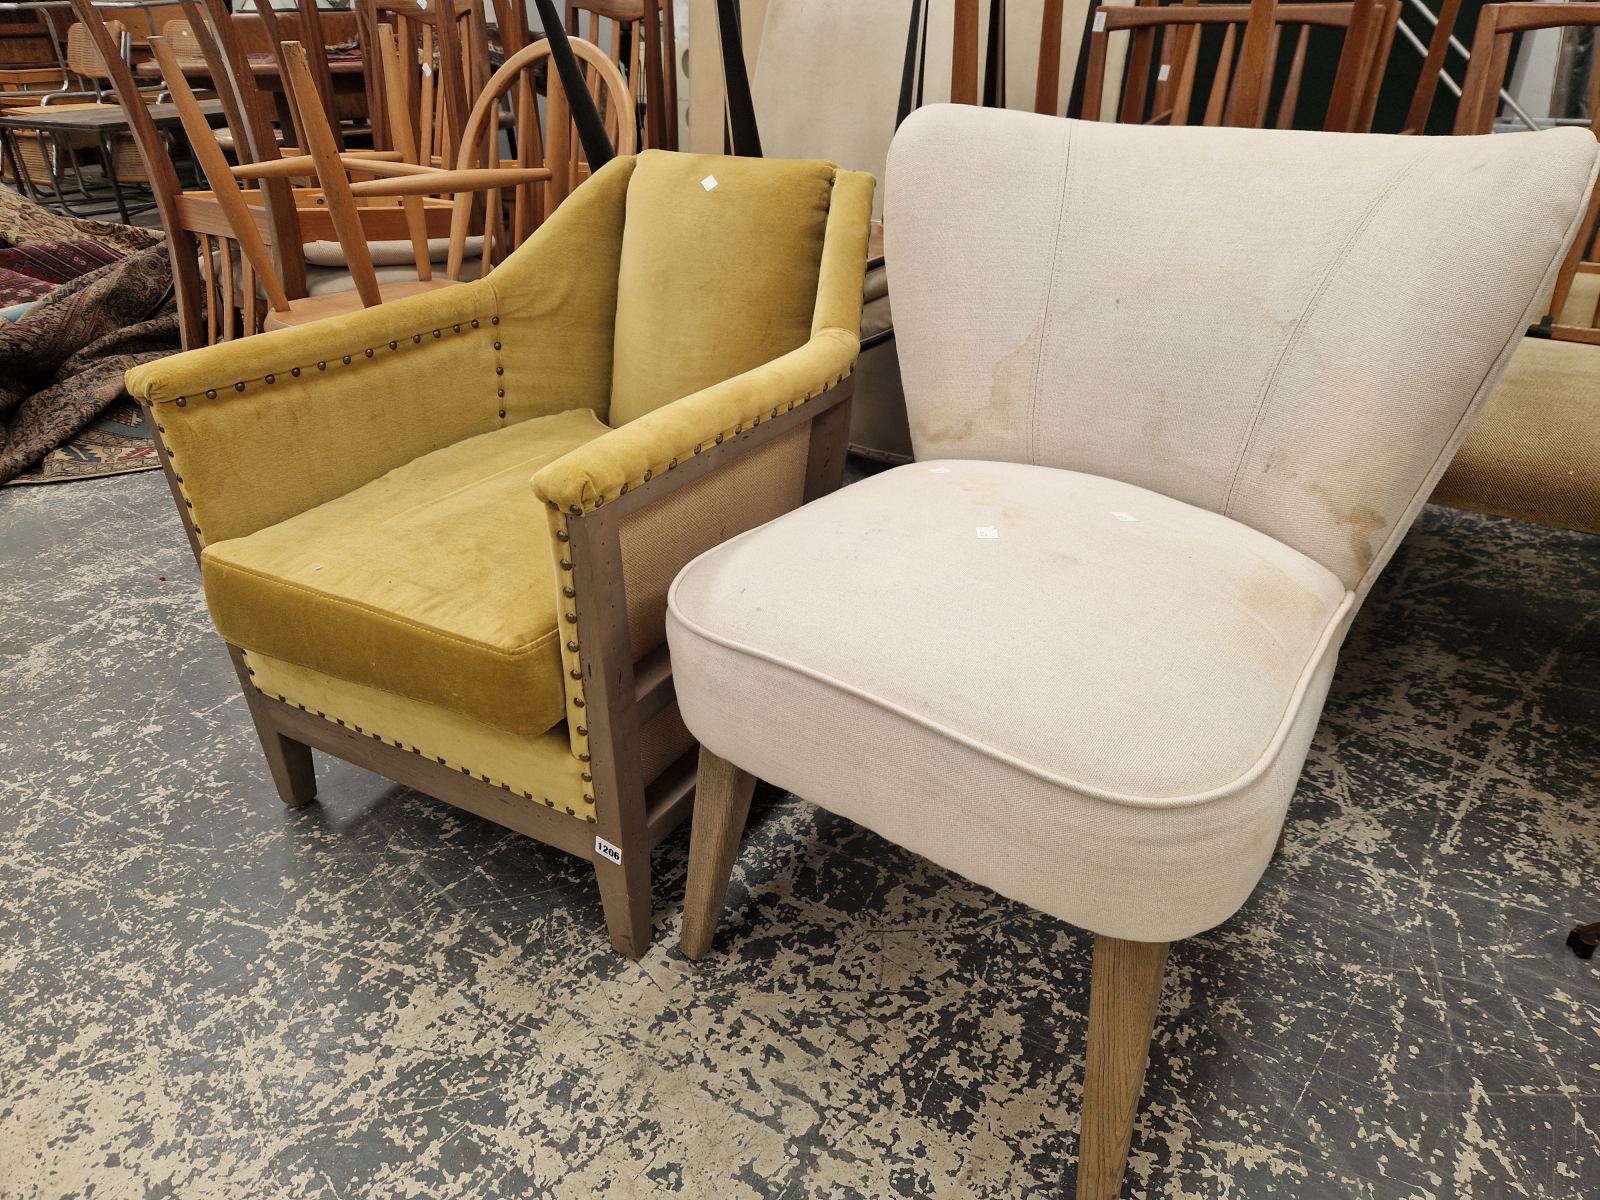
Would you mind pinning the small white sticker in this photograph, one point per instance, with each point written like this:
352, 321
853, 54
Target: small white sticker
606, 850
1099, 22
427, 69
988, 531
1161, 75
938, 470
709, 182
1124, 516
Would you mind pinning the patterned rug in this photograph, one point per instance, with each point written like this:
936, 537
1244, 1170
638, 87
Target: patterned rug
115, 443
203, 994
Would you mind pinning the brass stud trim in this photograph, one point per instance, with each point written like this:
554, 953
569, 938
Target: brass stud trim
502, 414
575, 510
182, 403
574, 674
583, 758
497, 345
719, 439
572, 618
548, 803
436, 333
578, 702
624, 490
322, 366
501, 392
415, 338
474, 324
494, 320
586, 777
582, 732
394, 345
295, 371
499, 370
647, 476
566, 564
272, 379
569, 592
562, 535
573, 646
369, 351
457, 328
238, 387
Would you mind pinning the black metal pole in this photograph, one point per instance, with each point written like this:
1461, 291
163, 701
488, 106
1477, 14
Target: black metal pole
741, 109
908, 73
597, 146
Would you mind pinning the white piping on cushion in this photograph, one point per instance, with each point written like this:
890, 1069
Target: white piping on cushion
1325, 643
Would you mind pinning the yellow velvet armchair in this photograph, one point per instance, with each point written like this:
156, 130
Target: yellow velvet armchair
437, 534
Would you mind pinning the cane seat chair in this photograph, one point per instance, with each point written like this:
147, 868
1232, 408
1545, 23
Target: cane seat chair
1077, 651
393, 589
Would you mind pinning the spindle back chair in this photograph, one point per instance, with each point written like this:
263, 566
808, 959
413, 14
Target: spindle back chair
1573, 314
1158, 84
444, 64
555, 148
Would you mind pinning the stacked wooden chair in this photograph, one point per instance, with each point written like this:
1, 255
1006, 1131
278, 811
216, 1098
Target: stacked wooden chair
1157, 87
1531, 454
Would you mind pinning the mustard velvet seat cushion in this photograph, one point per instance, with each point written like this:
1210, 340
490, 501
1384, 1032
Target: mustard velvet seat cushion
432, 582
713, 283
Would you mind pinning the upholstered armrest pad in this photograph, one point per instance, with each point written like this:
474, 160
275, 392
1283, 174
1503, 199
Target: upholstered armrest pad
675, 431
267, 427
658, 440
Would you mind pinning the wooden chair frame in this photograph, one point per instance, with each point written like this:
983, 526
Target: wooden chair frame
438, 108
563, 152
653, 50
1480, 99
1240, 89
622, 694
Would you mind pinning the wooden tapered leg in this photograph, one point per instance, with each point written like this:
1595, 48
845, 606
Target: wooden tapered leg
291, 767
1123, 994
288, 760
625, 896
721, 804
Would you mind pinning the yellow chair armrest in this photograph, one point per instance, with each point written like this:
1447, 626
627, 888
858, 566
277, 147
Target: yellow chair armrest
602, 469
266, 427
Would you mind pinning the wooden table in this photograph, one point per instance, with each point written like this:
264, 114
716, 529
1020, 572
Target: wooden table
101, 121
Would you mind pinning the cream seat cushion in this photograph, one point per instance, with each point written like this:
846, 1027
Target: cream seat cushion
1114, 694
432, 582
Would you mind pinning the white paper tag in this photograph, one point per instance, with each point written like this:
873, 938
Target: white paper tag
1099, 22
1124, 516
606, 850
988, 531
427, 69
938, 470
1161, 75
709, 182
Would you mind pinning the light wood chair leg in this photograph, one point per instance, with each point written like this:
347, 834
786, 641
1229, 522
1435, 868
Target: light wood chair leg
1123, 995
721, 804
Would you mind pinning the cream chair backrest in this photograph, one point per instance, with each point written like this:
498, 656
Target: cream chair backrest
1292, 329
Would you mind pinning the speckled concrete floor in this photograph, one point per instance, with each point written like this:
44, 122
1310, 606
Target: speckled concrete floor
203, 994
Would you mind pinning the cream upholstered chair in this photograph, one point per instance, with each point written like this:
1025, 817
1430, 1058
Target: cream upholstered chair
437, 533
1176, 396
